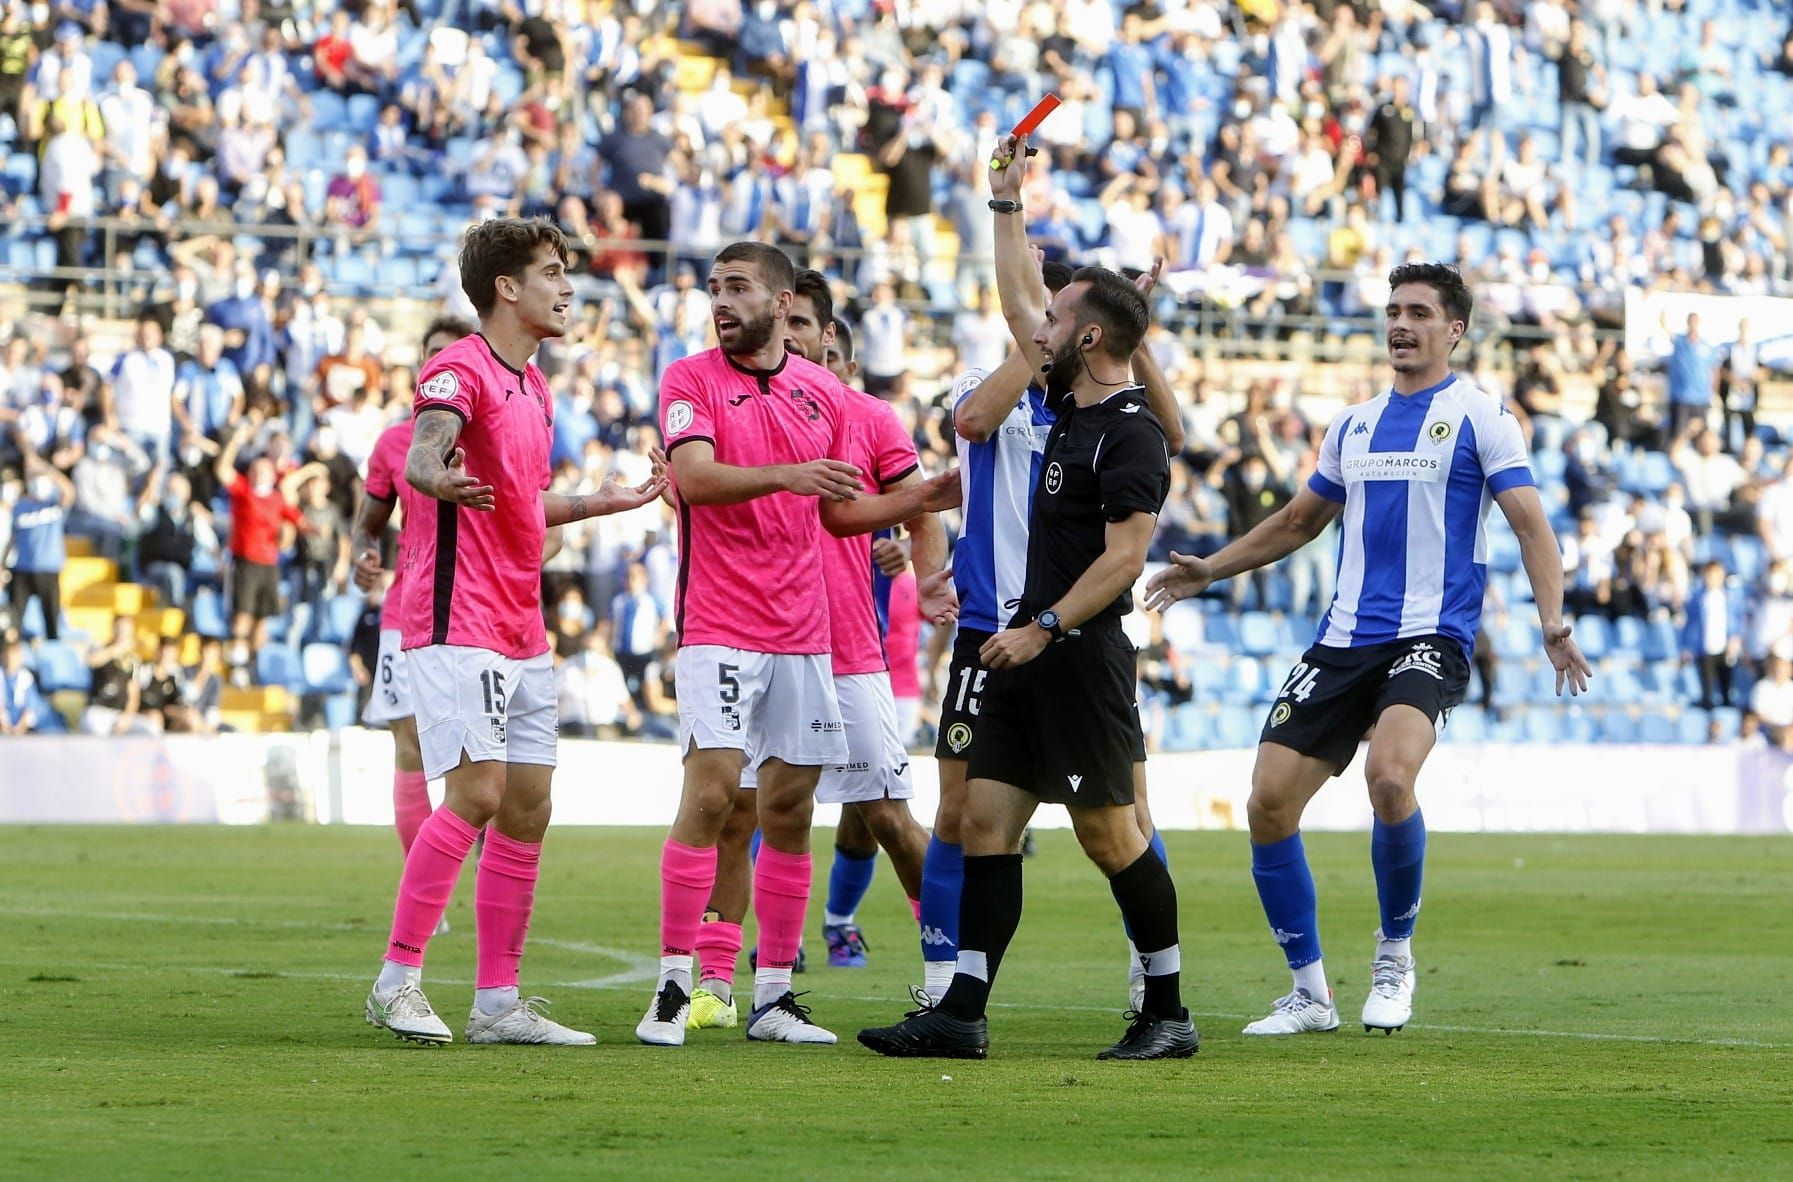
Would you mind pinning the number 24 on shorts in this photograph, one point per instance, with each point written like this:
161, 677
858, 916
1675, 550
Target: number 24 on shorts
1301, 682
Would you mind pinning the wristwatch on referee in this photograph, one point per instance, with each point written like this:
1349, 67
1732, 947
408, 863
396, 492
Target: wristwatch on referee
1005, 206
1048, 620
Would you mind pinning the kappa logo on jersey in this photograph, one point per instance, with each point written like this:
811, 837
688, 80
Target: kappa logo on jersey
439, 388
1423, 658
1055, 477
1282, 937
1281, 714
678, 417
958, 737
1362, 429
1438, 432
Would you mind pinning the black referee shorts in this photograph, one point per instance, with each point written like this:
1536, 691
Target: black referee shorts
1065, 726
1335, 695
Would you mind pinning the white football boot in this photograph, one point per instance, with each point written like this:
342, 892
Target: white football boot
666, 1018
1390, 1003
786, 1021
1297, 1013
406, 1012
524, 1023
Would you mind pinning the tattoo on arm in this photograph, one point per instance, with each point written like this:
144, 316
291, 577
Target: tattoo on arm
577, 509
432, 440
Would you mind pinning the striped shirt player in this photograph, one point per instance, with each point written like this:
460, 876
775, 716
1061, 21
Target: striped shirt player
1413, 472
999, 475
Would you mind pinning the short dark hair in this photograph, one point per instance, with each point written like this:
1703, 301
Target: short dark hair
503, 246
454, 326
1446, 280
1056, 274
1117, 306
812, 283
774, 265
843, 338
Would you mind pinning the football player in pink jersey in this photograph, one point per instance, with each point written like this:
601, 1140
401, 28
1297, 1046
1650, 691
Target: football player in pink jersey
471, 618
872, 785
390, 703
755, 433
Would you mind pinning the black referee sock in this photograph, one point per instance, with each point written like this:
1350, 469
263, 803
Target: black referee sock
989, 913
1148, 900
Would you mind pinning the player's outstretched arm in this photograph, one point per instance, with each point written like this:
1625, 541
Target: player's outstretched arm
1544, 568
437, 468
1125, 543
613, 496
980, 413
702, 479
1146, 369
1018, 282
1276, 537
904, 503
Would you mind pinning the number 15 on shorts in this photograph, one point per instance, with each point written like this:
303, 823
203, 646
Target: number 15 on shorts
491, 685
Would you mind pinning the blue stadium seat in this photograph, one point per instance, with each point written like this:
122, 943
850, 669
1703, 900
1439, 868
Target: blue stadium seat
326, 669
1591, 635
340, 711
1207, 678
1579, 726
1467, 724
1541, 726
59, 667
328, 111
1223, 630
277, 664
1184, 627
1186, 729
1628, 635
1729, 720
49, 719
361, 113
1257, 634
337, 621
1236, 727
1618, 727
1245, 680
1660, 641
1691, 726
1657, 726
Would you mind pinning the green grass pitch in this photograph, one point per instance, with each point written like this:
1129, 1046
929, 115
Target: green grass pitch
186, 1002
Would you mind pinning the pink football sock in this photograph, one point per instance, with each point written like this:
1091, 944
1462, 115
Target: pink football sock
718, 950
915, 908
687, 875
503, 897
443, 842
410, 804
780, 899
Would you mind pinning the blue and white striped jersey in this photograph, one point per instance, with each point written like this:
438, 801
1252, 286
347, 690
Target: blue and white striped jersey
998, 477
1416, 474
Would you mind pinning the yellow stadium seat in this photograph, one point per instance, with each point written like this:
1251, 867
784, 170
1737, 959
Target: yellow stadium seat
78, 574
247, 721
95, 621
161, 621
69, 704
123, 599
693, 73
78, 547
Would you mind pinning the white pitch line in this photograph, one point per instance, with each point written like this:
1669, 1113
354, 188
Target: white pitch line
641, 969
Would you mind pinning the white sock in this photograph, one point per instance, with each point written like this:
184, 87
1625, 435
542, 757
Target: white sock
393, 975
676, 969
1312, 977
830, 919
936, 975
1399, 949
494, 1001
769, 985
724, 990
1135, 969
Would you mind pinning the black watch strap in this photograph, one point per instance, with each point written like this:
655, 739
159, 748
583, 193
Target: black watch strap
1005, 206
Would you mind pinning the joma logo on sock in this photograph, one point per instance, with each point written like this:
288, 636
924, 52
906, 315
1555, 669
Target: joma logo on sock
403, 947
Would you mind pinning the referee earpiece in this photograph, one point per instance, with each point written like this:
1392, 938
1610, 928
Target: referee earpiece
1088, 340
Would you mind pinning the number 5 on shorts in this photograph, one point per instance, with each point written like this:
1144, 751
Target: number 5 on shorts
729, 693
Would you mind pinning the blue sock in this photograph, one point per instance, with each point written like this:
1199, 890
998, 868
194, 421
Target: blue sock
942, 882
1286, 888
848, 881
1157, 846
753, 846
1398, 853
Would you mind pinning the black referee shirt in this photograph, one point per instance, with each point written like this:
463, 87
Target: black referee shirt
1102, 463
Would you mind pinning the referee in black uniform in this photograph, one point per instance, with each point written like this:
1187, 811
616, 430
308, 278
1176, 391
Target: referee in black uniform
1060, 723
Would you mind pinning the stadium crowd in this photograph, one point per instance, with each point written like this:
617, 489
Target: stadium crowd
249, 175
